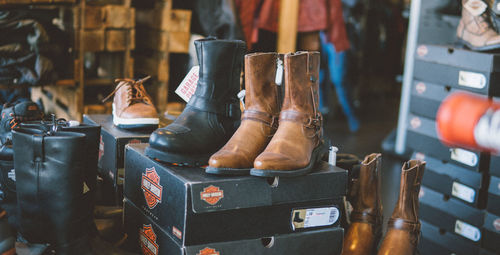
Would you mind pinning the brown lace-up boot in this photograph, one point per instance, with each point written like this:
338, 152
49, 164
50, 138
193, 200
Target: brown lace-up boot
476, 28
403, 229
297, 144
366, 219
259, 120
132, 106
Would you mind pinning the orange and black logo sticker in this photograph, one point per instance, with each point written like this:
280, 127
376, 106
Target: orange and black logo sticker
208, 251
177, 233
151, 187
148, 240
212, 195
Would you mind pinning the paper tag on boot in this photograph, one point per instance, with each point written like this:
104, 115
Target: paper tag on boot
188, 86
476, 7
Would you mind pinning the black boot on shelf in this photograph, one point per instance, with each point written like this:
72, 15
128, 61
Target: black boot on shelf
213, 112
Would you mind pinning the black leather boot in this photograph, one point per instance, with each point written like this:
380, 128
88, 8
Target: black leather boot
50, 187
11, 117
7, 237
213, 112
92, 136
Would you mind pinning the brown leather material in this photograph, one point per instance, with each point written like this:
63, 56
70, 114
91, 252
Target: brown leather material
131, 100
260, 118
292, 146
366, 228
477, 30
404, 226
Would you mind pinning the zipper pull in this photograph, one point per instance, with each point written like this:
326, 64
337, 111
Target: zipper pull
241, 96
279, 72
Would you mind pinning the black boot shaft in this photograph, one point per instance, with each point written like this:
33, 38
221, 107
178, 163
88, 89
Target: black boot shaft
50, 186
219, 76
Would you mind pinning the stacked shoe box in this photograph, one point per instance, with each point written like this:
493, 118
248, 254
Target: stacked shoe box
491, 228
170, 209
112, 154
455, 185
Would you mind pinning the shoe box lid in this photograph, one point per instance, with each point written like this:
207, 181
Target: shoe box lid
459, 68
144, 233
437, 241
203, 206
491, 230
422, 137
453, 180
451, 214
426, 98
494, 195
112, 145
495, 165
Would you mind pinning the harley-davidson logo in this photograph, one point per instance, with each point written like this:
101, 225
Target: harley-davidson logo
208, 251
212, 194
420, 87
422, 50
177, 232
151, 187
148, 240
415, 123
496, 224
134, 141
101, 148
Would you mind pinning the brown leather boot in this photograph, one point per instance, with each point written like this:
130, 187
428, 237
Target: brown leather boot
366, 219
403, 230
297, 144
476, 28
132, 106
259, 120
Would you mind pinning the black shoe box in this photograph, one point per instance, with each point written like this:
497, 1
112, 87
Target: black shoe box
422, 137
491, 232
112, 146
495, 165
435, 241
201, 208
493, 205
426, 98
458, 68
451, 215
144, 234
454, 181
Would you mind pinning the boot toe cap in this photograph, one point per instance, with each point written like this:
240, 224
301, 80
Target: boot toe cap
166, 140
276, 161
228, 159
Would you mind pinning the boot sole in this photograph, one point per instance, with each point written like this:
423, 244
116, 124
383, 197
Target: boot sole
177, 158
317, 153
483, 48
227, 171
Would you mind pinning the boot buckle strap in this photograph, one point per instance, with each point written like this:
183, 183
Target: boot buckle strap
227, 109
412, 227
263, 117
309, 121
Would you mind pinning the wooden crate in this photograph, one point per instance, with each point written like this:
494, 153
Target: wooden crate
62, 101
165, 19
35, 1
175, 42
120, 39
107, 16
155, 64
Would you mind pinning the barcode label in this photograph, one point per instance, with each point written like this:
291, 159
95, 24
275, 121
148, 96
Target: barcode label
315, 217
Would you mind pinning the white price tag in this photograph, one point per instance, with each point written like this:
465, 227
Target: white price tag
471, 80
463, 192
464, 156
12, 174
188, 86
468, 231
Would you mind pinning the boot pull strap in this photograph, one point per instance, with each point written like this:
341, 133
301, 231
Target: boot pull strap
37, 142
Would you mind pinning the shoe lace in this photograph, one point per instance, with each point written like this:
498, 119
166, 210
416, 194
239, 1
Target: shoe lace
135, 90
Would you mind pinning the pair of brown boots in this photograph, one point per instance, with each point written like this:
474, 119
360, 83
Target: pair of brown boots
281, 128
477, 28
403, 230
